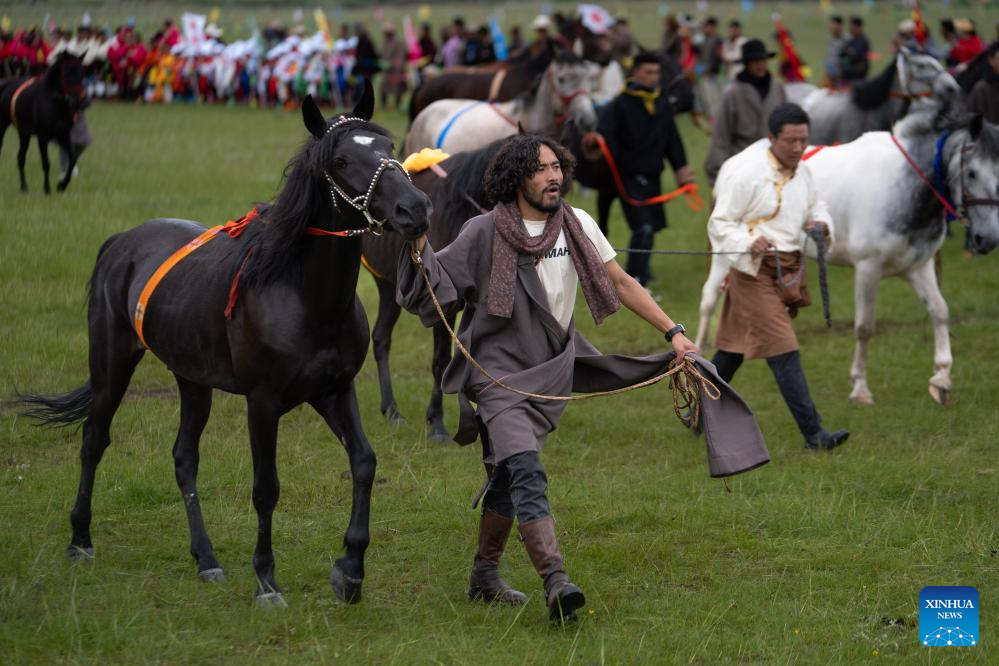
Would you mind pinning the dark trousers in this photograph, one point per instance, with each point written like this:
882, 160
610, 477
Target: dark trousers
644, 222
791, 381
517, 487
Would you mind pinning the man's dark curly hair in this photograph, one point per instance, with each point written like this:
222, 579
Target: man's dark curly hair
517, 160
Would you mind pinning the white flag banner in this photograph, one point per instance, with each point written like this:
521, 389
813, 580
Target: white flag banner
194, 28
597, 19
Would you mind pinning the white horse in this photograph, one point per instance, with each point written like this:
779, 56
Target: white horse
888, 222
912, 81
456, 125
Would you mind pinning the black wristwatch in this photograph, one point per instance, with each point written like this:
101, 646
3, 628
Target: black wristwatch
673, 331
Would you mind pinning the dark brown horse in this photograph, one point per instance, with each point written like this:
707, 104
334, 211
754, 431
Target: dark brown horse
500, 84
44, 107
295, 333
456, 199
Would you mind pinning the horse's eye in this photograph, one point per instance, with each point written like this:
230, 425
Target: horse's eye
340, 163
561, 80
971, 174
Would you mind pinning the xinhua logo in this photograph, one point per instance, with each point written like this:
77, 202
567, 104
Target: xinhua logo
948, 616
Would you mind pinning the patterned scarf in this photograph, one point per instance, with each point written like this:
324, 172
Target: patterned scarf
511, 239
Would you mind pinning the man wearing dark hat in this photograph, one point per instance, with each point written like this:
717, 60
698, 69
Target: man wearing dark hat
745, 107
639, 129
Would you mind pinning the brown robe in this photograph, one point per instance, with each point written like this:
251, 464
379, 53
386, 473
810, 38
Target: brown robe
531, 352
756, 317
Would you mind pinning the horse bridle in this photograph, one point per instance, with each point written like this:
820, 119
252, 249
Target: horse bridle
966, 201
362, 201
903, 83
566, 100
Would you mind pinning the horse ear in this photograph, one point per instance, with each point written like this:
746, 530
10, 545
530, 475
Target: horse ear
313, 117
520, 129
905, 51
975, 127
366, 105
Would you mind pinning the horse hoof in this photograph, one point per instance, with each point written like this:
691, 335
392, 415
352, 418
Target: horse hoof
78, 554
862, 399
269, 600
393, 416
215, 575
941, 396
440, 437
344, 587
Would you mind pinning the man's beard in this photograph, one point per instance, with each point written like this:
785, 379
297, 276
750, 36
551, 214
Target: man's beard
539, 204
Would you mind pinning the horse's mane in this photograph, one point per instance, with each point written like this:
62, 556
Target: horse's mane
465, 176
304, 196
953, 120
873, 93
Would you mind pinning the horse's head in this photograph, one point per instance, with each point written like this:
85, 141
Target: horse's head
65, 77
355, 160
974, 174
922, 75
569, 78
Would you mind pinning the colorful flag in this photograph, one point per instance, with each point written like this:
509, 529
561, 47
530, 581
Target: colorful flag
324, 27
412, 42
791, 63
597, 19
920, 32
499, 41
194, 28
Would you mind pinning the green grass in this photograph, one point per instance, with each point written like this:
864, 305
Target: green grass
811, 559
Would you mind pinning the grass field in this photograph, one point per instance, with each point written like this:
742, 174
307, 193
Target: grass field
812, 559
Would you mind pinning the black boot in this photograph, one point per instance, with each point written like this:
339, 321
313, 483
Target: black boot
485, 582
825, 440
562, 597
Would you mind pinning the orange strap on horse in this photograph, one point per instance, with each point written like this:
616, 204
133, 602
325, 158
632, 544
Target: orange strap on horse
689, 191
13, 100
233, 227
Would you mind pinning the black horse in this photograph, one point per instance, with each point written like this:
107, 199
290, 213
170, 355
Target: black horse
44, 106
456, 198
294, 333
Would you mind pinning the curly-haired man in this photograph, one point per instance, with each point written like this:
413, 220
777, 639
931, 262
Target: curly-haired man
517, 269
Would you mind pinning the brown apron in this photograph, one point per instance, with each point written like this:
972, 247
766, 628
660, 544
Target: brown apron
756, 316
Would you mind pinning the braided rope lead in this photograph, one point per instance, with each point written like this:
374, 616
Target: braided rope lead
686, 382
819, 237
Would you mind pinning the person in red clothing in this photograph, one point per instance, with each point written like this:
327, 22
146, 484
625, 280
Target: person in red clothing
968, 44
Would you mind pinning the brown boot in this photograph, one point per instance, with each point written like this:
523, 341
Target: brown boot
563, 597
485, 582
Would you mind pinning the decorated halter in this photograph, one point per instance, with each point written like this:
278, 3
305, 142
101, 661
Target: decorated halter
904, 83
566, 100
362, 201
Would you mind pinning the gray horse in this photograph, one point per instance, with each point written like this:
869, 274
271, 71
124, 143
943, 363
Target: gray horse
911, 81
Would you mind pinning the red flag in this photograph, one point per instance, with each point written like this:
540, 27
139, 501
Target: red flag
790, 60
920, 32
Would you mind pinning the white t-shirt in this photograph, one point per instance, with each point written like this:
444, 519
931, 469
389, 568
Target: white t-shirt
556, 270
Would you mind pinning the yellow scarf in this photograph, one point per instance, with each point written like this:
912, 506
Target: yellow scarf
648, 98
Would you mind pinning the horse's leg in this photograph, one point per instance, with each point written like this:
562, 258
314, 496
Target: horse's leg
43, 152
65, 144
867, 276
442, 356
710, 294
381, 342
924, 281
263, 414
112, 361
195, 406
22, 153
341, 413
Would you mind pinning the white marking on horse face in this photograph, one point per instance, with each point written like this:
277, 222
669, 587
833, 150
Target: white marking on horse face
363, 140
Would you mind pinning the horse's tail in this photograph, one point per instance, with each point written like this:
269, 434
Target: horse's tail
58, 410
